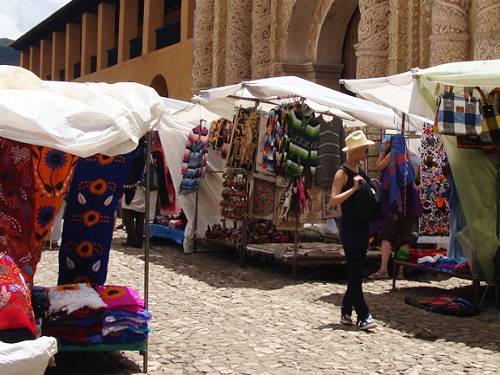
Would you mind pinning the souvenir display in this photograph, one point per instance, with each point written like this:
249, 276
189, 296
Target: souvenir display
82, 315
330, 155
490, 109
263, 198
458, 114
270, 130
195, 159
303, 141
219, 136
244, 140
234, 203
434, 186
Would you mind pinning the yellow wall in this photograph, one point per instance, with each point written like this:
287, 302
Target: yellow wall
174, 63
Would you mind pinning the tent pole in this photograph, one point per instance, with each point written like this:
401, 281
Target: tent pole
146, 242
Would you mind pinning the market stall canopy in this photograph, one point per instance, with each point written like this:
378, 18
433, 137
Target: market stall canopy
394, 92
80, 118
221, 100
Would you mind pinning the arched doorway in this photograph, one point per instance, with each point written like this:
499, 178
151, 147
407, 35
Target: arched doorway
322, 50
160, 85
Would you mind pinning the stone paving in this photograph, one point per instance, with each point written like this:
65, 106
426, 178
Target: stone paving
210, 316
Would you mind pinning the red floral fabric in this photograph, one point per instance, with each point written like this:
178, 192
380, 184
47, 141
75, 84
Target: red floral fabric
15, 297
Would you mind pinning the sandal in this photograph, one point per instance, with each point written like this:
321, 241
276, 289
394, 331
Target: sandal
378, 276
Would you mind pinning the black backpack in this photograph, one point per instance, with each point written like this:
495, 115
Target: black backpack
372, 190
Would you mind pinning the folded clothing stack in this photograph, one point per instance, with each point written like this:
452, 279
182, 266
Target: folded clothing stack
125, 320
442, 263
74, 315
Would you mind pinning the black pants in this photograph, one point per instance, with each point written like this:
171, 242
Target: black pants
134, 225
354, 295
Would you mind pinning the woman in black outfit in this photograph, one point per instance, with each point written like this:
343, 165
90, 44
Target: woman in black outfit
349, 190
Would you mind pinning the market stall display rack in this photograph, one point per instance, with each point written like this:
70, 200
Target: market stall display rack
141, 347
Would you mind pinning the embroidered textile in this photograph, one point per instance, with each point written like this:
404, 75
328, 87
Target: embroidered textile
121, 298
15, 298
244, 139
398, 175
263, 199
269, 131
33, 184
89, 218
330, 155
434, 187
71, 297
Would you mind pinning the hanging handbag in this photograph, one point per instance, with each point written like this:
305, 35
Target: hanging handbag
458, 114
490, 109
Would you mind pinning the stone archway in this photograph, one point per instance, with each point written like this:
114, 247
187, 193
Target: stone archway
160, 85
317, 50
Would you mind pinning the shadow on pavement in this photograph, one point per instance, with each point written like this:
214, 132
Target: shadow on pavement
89, 363
217, 269
389, 309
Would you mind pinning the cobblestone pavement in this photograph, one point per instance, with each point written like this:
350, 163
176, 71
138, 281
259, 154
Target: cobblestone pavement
210, 316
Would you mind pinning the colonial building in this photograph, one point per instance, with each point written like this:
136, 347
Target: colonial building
324, 40
147, 41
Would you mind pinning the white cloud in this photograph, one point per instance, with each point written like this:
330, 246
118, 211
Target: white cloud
19, 16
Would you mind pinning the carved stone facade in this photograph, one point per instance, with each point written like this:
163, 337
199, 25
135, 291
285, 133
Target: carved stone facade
373, 33
242, 39
261, 39
450, 31
219, 43
487, 33
203, 41
239, 41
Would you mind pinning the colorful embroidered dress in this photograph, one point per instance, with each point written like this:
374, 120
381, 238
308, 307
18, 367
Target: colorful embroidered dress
89, 218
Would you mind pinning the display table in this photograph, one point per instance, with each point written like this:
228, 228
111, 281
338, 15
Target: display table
307, 254
140, 347
162, 231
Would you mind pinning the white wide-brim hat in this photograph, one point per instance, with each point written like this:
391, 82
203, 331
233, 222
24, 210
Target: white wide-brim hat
356, 140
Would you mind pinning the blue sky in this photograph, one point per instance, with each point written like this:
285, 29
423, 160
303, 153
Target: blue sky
18, 16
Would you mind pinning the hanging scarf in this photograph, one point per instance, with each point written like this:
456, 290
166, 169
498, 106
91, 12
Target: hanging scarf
398, 175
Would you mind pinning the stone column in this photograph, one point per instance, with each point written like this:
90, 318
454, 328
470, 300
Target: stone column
372, 49
105, 33
58, 55
487, 33
45, 58
261, 39
239, 42
450, 31
35, 59
281, 13
73, 48
425, 32
219, 43
127, 27
154, 11
202, 49
398, 37
89, 41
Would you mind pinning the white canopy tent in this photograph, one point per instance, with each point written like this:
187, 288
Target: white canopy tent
80, 118
222, 100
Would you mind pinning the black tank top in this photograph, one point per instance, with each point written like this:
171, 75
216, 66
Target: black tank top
353, 231
353, 204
